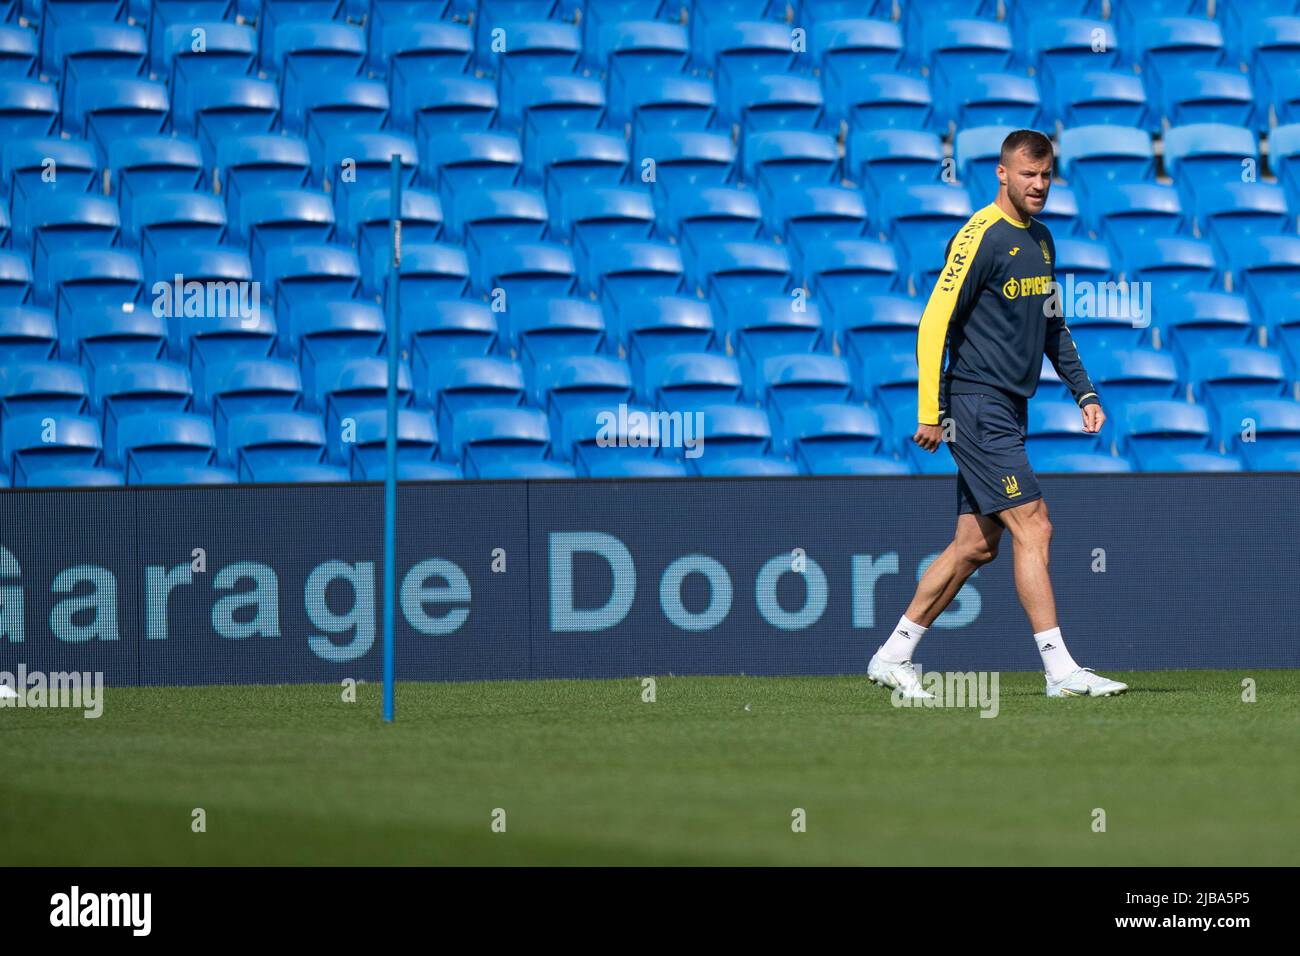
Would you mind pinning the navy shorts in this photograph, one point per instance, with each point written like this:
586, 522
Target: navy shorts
988, 445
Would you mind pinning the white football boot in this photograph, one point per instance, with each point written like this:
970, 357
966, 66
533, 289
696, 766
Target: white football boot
901, 675
1084, 682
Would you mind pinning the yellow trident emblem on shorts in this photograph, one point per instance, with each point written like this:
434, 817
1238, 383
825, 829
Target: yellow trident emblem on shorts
1011, 486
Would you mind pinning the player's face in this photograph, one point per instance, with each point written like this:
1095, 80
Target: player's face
1028, 181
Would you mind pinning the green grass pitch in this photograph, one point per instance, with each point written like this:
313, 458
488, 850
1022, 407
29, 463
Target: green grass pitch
709, 773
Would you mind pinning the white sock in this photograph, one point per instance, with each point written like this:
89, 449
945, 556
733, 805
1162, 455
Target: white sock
902, 642
1057, 661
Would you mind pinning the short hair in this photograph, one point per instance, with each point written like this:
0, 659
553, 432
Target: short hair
1031, 141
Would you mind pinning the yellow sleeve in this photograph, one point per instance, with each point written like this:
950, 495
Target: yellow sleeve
953, 293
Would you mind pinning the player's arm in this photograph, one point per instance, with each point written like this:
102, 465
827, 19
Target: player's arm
953, 295
1062, 352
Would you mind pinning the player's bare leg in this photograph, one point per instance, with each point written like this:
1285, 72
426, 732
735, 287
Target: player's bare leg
974, 544
1031, 537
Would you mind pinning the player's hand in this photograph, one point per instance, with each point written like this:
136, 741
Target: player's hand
1093, 418
928, 436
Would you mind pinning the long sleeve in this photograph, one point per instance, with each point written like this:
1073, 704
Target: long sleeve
963, 275
1061, 351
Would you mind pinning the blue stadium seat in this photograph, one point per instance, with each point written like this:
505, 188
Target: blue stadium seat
272, 14
28, 334
114, 109
827, 438
533, 47
735, 440
453, 161
574, 160
621, 441
1269, 45
854, 45
1095, 156
1202, 154
168, 219
769, 101
1079, 463
685, 381
772, 326
28, 109
18, 53
164, 14
53, 476
361, 162
884, 159
149, 164
621, 272
49, 439
100, 339
1166, 48
688, 158
659, 325
435, 105
1208, 96
1232, 214
298, 274
881, 101
90, 278
139, 388
324, 330
711, 214
1175, 264
65, 220
1190, 322
580, 386
485, 439
877, 324
1268, 268
525, 270
260, 441
146, 442
26, 165
367, 220
1084, 259
1223, 376
1056, 45
550, 104
305, 53
343, 388
1171, 436
454, 385
270, 218
200, 264
1130, 215
248, 387
15, 279
740, 45
39, 387
543, 330
782, 159
54, 15
604, 214
417, 445
1264, 432
958, 47
341, 108
221, 108
492, 217
732, 273
841, 271
1134, 375
667, 102
784, 383
251, 163
205, 48
991, 99
86, 53
428, 271
817, 214
637, 49
412, 47
1099, 98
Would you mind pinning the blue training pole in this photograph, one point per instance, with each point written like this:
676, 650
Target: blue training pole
390, 441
